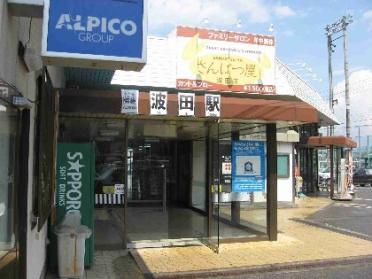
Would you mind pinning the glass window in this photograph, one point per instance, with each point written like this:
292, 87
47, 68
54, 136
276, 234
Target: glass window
283, 166
199, 161
107, 138
242, 211
8, 124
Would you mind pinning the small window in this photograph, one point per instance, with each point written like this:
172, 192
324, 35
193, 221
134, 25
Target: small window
8, 144
283, 165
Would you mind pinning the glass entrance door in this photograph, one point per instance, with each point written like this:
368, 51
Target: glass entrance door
168, 186
214, 185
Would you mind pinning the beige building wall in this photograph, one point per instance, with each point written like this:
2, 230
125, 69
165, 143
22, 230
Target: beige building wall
13, 71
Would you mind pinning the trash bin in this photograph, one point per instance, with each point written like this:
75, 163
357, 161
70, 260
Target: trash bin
71, 237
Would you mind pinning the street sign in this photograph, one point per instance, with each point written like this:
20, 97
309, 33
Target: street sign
95, 33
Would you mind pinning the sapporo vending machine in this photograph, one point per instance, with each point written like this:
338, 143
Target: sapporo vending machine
74, 192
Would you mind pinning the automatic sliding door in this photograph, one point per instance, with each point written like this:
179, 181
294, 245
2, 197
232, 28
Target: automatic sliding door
166, 179
150, 165
109, 194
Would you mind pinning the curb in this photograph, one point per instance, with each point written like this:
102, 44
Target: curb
141, 264
333, 229
252, 270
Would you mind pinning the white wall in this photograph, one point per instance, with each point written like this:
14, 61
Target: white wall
285, 185
12, 30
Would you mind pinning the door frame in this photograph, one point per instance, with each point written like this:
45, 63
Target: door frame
213, 185
125, 235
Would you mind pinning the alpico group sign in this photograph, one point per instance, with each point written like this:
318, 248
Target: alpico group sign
95, 33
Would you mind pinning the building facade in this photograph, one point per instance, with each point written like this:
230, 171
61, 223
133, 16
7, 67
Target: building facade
202, 171
23, 233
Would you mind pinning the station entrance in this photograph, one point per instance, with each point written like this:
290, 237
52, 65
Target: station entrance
167, 182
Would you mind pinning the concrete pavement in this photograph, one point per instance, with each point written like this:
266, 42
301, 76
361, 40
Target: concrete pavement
116, 264
298, 245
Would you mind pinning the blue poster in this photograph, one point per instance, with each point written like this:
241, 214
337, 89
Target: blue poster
97, 27
248, 166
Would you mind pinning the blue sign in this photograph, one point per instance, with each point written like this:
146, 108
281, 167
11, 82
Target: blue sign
96, 29
248, 166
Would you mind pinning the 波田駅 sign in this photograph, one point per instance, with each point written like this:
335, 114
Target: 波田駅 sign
225, 61
95, 33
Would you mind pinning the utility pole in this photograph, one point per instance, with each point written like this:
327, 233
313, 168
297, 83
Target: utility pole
345, 23
359, 146
368, 148
368, 152
367, 142
330, 76
334, 28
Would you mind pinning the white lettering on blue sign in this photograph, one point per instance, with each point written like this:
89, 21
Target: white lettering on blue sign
99, 30
114, 26
94, 29
248, 166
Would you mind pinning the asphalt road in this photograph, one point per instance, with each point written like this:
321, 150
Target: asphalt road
354, 271
350, 217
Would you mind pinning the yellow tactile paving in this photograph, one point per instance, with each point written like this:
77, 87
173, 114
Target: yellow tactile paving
297, 242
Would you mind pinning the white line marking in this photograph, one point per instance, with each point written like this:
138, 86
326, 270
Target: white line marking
346, 230
361, 199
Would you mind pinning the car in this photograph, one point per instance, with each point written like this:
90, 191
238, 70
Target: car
362, 177
324, 174
324, 182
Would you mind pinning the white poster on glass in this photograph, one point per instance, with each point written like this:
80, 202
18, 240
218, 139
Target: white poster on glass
212, 105
186, 104
129, 101
158, 102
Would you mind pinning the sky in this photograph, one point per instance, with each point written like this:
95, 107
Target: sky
299, 28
